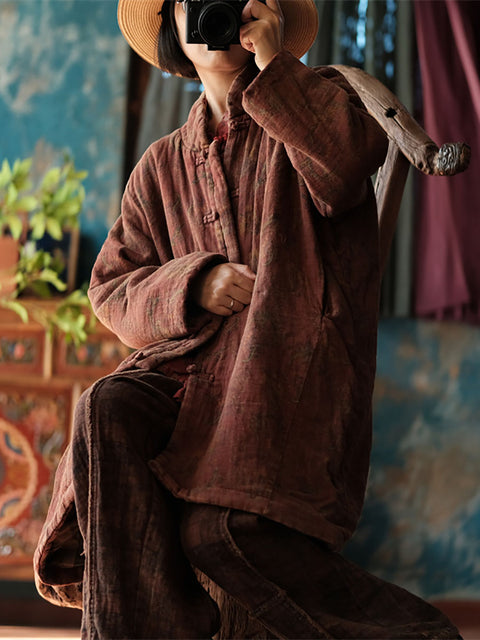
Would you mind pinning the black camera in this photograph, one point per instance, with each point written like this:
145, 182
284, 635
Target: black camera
214, 22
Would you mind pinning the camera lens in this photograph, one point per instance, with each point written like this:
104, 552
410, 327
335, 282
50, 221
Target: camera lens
218, 23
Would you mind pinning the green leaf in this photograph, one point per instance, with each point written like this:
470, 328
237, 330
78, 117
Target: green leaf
77, 298
20, 173
39, 260
5, 174
54, 228
51, 276
17, 307
40, 288
25, 166
15, 225
79, 175
70, 208
62, 194
12, 195
51, 178
78, 336
21, 167
37, 224
27, 203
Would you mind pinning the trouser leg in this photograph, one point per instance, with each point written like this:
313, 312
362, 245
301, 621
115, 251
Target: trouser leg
296, 586
137, 582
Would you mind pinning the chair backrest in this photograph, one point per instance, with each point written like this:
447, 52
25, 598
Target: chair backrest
409, 145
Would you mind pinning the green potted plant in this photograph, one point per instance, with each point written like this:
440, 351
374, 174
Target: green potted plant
15, 205
48, 214
33, 225
52, 207
60, 198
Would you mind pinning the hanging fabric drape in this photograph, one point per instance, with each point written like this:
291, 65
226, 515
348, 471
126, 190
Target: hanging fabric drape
376, 35
166, 106
397, 281
448, 249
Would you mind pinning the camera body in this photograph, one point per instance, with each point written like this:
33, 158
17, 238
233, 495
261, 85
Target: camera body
214, 22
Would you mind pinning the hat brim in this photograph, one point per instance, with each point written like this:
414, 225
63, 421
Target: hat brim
140, 22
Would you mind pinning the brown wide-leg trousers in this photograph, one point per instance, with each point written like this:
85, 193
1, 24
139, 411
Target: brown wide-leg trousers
141, 543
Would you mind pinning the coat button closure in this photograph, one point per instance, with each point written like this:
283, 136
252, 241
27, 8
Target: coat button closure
191, 368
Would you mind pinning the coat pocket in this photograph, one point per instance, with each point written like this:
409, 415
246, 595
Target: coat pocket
188, 455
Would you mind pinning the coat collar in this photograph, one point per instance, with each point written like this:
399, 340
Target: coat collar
194, 132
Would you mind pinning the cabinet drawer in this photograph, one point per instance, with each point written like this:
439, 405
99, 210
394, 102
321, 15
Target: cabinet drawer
22, 351
100, 355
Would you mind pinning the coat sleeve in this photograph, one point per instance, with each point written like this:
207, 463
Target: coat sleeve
332, 141
138, 289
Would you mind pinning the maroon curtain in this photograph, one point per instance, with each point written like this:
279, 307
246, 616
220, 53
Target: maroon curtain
447, 270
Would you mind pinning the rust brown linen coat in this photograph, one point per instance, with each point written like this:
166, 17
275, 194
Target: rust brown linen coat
276, 417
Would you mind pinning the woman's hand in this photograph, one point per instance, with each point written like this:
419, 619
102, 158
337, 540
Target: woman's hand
224, 289
262, 31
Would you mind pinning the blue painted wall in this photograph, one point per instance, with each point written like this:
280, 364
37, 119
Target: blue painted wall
63, 73
421, 522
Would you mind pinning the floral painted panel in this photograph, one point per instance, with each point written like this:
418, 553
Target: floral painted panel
95, 358
22, 351
34, 427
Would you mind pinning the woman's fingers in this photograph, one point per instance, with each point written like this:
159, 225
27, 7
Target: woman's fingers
256, 9
239, 293
243, 277
262, 31
233, 306
224, 289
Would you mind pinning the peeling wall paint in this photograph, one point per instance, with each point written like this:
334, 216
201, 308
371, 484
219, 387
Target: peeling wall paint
421, 523
63, 74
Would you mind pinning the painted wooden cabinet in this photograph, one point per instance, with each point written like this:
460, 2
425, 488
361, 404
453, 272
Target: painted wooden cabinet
40, 381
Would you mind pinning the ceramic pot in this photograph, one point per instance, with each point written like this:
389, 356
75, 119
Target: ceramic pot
9, 253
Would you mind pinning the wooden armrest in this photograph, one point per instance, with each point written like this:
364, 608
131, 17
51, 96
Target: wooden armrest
420, 150
409, 144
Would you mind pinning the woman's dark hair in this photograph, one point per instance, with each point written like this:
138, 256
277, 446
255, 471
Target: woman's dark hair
170, 54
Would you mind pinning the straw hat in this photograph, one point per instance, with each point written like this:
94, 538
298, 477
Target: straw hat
140, 21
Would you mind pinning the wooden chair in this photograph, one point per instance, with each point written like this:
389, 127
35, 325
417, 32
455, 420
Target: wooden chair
409, 145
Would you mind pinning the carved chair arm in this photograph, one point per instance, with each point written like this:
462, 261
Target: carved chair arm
409, 144
400, 126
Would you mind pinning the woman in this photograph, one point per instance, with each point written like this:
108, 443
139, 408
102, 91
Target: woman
244, 270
